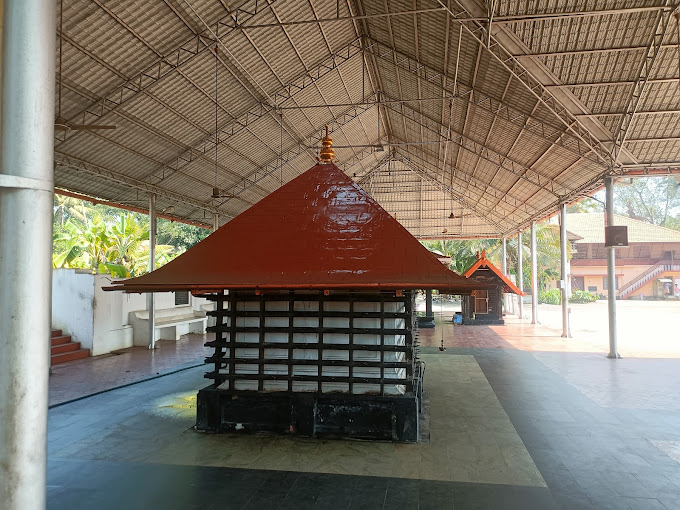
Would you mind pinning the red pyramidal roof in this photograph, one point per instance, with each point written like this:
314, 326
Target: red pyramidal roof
483, 262
320, 231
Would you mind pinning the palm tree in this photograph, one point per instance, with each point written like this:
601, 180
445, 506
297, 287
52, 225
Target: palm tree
69, 208
81, 245
463, 253
547, 251
125, 239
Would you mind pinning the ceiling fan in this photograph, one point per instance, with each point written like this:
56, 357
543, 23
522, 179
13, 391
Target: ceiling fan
60, 123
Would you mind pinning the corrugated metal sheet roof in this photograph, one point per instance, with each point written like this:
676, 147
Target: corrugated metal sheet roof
532, 121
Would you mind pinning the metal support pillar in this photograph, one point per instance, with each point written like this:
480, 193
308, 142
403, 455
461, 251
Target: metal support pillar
216, 221
520, 273
150, 304
564, 273
611, 270
534, 275
26, 201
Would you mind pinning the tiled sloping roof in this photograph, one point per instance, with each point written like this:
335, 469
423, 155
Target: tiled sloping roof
320, 231
590, 226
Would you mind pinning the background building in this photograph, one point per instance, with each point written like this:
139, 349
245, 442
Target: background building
648, 267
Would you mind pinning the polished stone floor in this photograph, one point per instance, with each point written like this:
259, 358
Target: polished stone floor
509, 429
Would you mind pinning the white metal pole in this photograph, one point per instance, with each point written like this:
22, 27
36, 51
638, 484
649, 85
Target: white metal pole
611, 271
534, 275
150, 302
564, 271
216, 221
26, 208
520, 273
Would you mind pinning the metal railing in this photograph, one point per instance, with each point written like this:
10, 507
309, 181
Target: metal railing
637, 282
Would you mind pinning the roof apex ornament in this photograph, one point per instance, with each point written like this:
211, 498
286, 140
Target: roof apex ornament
326, 154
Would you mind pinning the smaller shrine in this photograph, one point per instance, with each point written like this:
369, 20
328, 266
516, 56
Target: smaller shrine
485, 306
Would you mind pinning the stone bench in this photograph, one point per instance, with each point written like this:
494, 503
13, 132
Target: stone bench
170, 323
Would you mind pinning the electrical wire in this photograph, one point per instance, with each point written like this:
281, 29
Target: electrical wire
216, 103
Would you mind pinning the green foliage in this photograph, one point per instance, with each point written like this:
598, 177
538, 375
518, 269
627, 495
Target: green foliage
463, 253
582, 296
107, 240
179, 235
550, 297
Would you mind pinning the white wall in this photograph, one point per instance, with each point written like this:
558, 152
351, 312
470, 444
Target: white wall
72, 298
98, 319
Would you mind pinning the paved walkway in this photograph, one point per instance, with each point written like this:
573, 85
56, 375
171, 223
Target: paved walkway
511, 428
76, 379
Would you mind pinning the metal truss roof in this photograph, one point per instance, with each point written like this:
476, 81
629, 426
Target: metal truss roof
463, 118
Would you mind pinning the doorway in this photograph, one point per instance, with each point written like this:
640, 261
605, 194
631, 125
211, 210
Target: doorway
481, 301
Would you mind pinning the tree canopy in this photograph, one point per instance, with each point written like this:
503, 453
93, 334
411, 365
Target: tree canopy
654, 200
114, 241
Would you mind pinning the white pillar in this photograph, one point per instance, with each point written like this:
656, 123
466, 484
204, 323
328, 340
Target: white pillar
150, 304
520, 273
534, 275
611, 271
26, 200
216, 221
564, 273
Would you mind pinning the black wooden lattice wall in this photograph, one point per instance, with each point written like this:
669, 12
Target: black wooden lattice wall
233, 320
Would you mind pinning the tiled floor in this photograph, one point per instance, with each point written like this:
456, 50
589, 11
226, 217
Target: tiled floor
510, 429
87, 376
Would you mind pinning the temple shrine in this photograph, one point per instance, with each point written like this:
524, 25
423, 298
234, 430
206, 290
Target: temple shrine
485, 306
314, 329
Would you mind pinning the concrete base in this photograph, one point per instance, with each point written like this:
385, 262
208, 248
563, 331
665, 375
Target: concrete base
391, 418
426, 321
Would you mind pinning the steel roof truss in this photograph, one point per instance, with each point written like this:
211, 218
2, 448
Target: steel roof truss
457, 90
478, 31
500, 160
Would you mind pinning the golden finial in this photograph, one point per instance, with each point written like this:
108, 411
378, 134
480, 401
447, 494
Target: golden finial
326, 154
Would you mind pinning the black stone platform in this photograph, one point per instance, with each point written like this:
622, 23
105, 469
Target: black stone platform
391, 418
